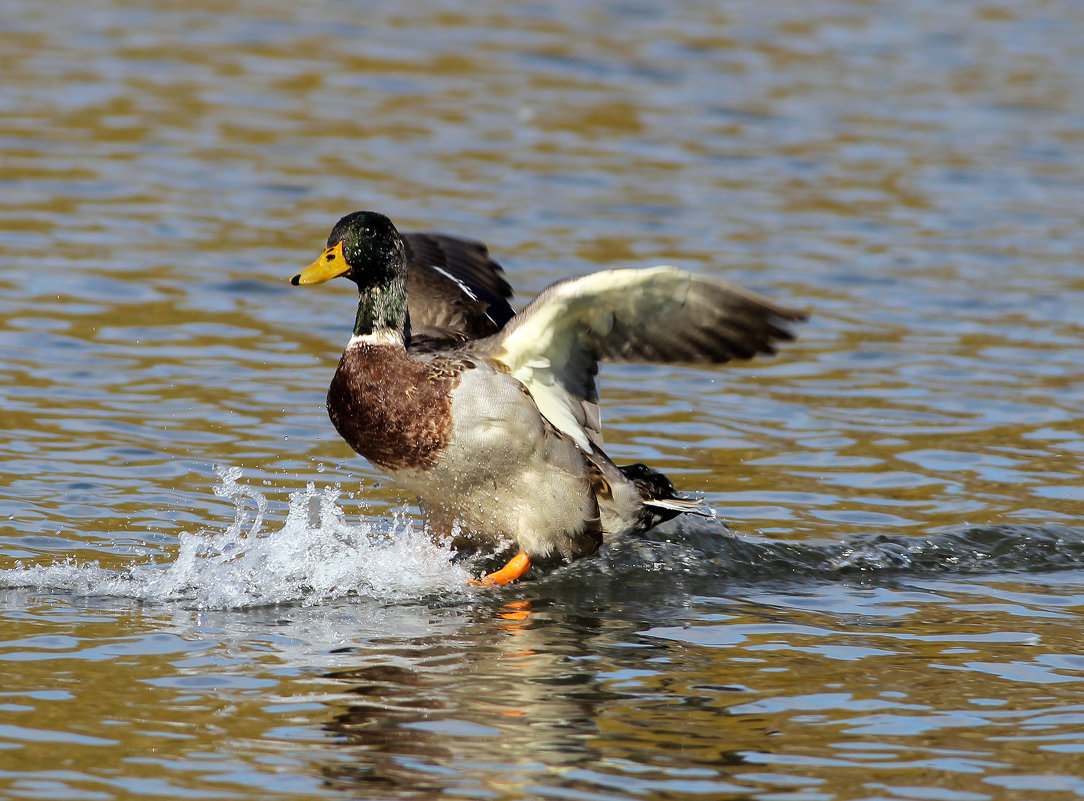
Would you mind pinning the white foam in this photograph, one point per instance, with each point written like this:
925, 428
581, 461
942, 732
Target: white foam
316, 555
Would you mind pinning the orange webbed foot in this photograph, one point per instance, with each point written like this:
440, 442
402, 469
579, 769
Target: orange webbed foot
515, 568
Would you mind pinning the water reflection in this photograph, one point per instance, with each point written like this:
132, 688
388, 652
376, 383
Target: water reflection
897, 613
726, 696
510, 700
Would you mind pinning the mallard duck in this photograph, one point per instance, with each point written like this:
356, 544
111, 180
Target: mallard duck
499, 437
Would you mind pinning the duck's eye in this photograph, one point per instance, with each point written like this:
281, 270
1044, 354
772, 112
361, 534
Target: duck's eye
367, 231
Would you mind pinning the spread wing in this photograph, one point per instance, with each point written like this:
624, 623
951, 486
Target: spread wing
661, 314
454, 288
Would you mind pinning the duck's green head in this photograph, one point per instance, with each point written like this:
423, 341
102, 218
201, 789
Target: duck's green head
364, 247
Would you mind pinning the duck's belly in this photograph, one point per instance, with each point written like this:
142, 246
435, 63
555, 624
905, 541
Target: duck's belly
507, 476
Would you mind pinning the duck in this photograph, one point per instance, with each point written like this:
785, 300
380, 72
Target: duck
498, 434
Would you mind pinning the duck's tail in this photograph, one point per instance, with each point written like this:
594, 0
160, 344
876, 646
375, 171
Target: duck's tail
659, 496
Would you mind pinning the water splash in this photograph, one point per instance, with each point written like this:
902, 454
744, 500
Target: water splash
315, 555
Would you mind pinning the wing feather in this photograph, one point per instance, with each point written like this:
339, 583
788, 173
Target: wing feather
454, 289
659, 314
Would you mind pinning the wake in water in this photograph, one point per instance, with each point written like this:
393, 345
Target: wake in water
316, 555
702, 551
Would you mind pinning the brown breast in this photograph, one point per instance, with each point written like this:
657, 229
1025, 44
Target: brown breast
393, 408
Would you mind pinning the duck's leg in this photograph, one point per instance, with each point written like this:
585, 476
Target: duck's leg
443, 528
515, 568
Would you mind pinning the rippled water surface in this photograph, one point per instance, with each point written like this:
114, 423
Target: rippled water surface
203, 594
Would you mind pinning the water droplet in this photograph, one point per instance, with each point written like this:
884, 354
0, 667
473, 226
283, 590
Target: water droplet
249, 561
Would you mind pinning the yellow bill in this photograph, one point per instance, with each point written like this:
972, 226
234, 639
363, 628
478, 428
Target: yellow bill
330, 265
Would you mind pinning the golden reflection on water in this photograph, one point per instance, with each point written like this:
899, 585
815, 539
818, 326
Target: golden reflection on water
909, 173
